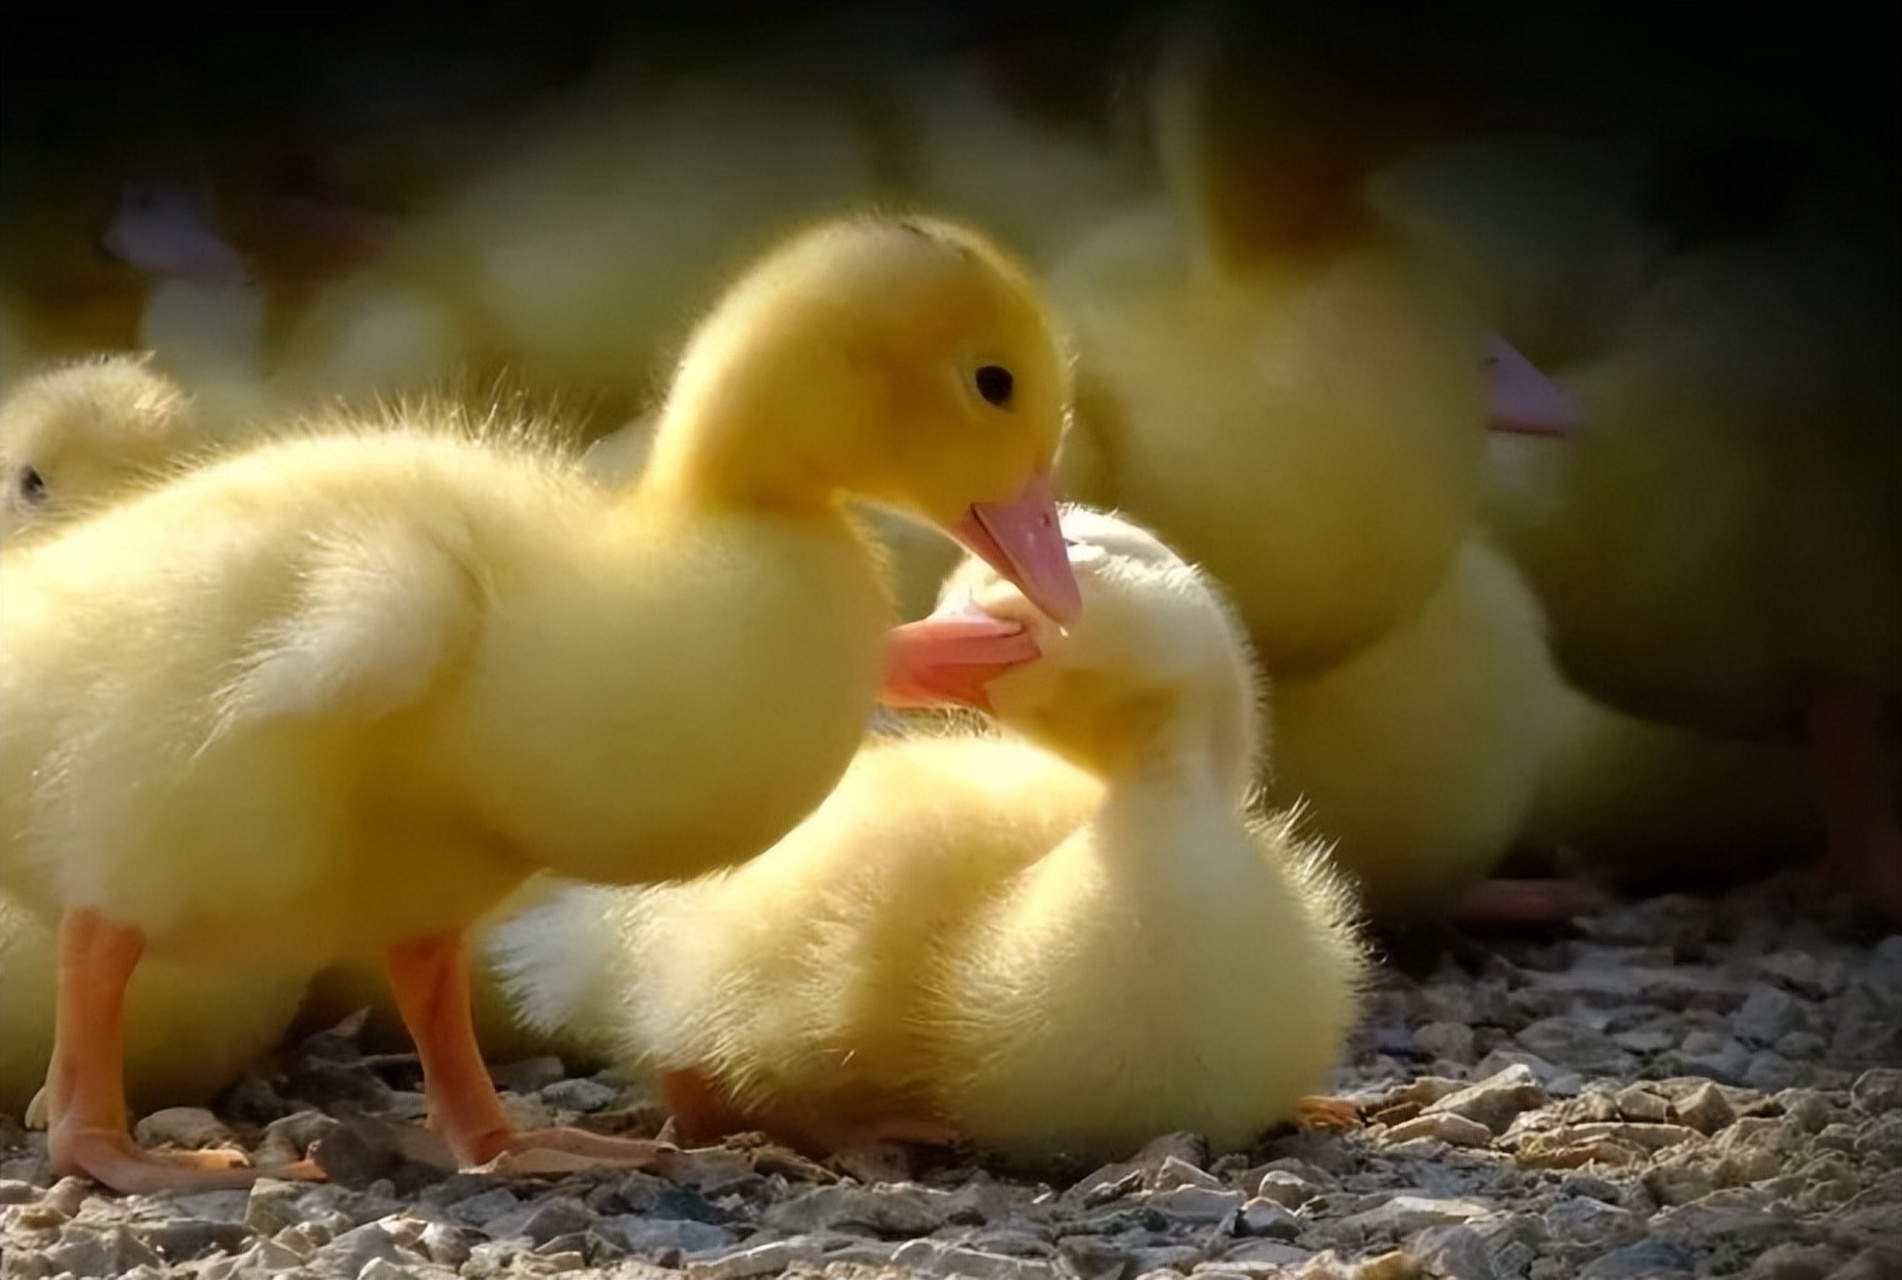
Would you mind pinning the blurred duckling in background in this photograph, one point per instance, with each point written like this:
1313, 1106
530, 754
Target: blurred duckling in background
423, 667
1285, 376
1721, 545
1555, 225
947, 947
82, 432
72, 438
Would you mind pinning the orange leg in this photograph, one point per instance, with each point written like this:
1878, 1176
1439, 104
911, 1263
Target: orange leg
1505, 903
430, 977
1864, 849
704, 1112
87, 1125
1317, 1111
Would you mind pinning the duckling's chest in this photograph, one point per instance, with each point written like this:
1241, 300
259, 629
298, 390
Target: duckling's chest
680, 711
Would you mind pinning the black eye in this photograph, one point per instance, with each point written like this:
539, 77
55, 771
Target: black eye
994, 384
31, 487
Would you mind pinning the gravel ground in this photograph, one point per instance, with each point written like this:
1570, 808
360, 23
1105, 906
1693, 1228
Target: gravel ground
1685, 1087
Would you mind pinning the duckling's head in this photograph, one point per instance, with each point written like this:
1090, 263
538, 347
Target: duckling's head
1156, 667
902, 359
75, 435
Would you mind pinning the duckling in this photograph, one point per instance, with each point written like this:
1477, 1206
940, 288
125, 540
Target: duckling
1226, 334
423, 665
944, 947
1750, 392
1225, 395
82, 431
964, 148
1555, 224
1420, 755
72, 437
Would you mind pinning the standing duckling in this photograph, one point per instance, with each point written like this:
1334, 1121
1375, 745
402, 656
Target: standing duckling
1720, 546
1056, 944
73, 437
1282, 371
339, 695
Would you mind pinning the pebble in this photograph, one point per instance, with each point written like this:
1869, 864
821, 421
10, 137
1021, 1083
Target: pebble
1692, 1087
1704, 1109
190, 1127
579, 1095
1494, 1101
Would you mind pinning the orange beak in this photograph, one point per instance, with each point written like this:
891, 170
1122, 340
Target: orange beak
948, 657
1022, 540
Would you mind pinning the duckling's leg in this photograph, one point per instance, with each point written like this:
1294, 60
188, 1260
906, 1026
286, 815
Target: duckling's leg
88, 1131
430, 977
1503, 903
1864, 849
1331, 1115
704, 1112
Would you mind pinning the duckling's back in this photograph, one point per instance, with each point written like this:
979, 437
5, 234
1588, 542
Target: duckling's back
206, 669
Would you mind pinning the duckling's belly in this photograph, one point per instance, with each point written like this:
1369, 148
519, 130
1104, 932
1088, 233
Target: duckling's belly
1112, 1000
277, 849
1419, 757
682, 715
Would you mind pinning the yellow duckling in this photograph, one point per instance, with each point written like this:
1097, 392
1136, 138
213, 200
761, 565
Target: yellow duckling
1554, 224
72, 437
1229, 335
1056, 945
78, 433
340, 695
1285, 376
1720, 546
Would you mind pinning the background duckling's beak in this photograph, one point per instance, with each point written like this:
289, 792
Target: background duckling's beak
1022, 540
951, 655
1524, 401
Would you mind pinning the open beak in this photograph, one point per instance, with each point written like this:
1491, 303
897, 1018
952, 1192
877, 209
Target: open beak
1524, 401
1022, 540
951, 655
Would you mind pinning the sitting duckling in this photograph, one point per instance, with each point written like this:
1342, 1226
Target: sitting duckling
420, 666
83, 431
1055, 945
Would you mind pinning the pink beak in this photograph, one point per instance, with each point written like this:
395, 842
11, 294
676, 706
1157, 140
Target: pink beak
1525, 401
951, 655
1022, 540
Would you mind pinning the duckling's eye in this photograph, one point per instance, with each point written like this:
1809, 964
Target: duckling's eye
994, 383
30, 486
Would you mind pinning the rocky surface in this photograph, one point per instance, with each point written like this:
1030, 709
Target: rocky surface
1685, 1088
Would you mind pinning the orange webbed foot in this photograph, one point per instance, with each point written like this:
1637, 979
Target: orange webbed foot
704, 1112
566, 1150
84, 1098
113, 1159
1330, 1115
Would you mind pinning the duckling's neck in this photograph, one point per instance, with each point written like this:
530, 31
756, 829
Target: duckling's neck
1174, 740
720, 447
